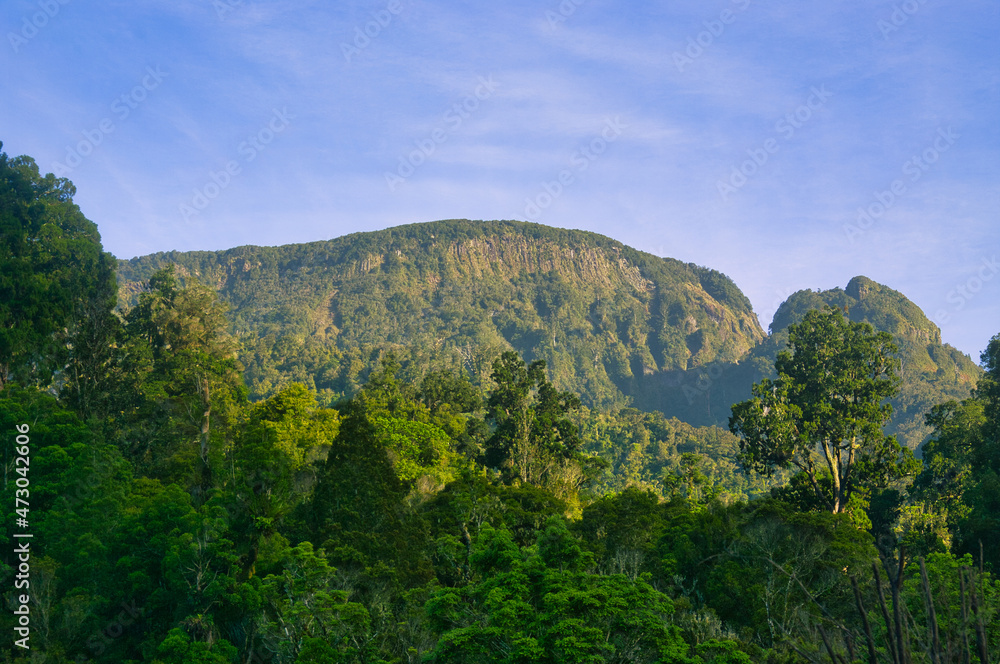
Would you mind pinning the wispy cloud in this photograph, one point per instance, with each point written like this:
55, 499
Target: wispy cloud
558, 82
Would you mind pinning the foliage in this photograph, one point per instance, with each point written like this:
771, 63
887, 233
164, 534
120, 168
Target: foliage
190, 379
541, 605
306, 620
53, 273
824, 414
275, 461
931, 372
669, 457
533, 441
177, 521
358, 511
961, 476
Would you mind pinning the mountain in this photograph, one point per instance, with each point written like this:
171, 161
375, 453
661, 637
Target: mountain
616, 325
457, 293
932, 372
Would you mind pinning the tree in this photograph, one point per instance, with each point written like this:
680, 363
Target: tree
276, 455
540, 604
444, 388
824, 413
193, 374
961, 475
358, 511
306, 619
53, 271
533, 440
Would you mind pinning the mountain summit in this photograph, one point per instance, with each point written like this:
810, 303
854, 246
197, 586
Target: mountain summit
457, 293
932, 372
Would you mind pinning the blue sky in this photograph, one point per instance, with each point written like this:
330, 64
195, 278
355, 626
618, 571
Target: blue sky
790, 145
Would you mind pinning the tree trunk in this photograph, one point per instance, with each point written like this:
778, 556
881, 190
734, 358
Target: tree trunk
932, 626
890, 636
872, 658
902, 645
205, 419
206, 469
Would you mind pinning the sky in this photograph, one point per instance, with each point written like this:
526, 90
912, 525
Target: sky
789, 145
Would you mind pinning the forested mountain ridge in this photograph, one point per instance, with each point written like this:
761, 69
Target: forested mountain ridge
932, 372
456, 294
616, 325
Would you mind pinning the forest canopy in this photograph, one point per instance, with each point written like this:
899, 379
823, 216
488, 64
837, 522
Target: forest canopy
206, 482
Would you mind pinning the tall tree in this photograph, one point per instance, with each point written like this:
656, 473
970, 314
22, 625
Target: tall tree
961, 475
358, 511
52, 269
824, 413
533, 441
275, 457
194, 375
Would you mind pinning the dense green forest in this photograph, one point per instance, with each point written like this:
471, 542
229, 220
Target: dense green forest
221, 460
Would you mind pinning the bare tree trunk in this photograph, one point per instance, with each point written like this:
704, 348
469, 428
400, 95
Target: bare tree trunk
902, 641
204, 439
205, 419
932, 626
965, 617
833, 463
890, 638
872, 659
984, 655
829, 649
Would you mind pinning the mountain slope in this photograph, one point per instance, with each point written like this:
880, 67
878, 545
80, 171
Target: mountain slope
457, 293
615, 325
932, 372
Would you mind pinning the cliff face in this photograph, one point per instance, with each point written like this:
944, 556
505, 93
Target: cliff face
457, 293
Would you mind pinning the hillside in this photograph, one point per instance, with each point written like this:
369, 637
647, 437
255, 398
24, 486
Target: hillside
616, 325
457, 293
932, 372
